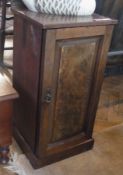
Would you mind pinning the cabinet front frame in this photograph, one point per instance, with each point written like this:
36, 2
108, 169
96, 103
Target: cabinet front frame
44, 148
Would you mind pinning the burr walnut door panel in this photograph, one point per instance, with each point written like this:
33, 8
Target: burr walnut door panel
70, 62
75, 64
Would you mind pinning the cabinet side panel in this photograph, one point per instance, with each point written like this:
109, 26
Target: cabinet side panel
27, 46
74, 81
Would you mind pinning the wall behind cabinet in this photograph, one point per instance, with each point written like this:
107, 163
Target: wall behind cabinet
114, 9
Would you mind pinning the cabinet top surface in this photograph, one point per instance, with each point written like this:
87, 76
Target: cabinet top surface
54, 21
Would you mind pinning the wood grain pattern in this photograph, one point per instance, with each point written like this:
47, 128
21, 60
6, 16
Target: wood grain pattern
26, 65
79, 32
98, 79
48, 146
46, 82
60, 83
74, 81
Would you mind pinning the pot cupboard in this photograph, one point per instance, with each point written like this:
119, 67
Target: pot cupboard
59, 65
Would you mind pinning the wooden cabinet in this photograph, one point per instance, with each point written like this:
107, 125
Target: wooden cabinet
58, 71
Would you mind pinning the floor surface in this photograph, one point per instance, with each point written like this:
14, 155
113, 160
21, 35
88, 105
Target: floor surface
110, 109
106, 158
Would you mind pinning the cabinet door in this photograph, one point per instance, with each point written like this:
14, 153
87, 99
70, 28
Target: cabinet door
72, 60
73, 78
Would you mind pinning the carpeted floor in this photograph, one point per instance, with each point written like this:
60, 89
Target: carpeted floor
106, 158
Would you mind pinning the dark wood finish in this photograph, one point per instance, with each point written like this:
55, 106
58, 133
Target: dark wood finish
74, 79
58, 71
28, 41
7, 95
5, 123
